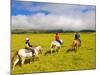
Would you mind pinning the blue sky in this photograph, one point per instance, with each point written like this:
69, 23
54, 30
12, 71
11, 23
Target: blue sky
20, 7
42, 14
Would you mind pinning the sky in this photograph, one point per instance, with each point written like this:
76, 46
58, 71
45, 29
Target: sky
52, 16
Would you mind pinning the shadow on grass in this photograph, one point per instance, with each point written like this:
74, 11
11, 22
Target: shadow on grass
70, 50
48, 52
27, 61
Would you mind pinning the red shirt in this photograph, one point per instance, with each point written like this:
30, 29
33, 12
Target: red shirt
57, 37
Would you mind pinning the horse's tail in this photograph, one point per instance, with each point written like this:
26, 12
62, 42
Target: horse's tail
16, 53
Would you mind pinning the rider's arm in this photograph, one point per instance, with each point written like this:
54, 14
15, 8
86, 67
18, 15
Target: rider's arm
29, 44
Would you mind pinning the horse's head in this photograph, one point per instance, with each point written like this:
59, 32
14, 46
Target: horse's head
40, 49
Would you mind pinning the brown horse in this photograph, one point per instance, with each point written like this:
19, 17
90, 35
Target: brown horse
76, 44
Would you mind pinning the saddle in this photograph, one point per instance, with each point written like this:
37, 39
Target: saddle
27, 50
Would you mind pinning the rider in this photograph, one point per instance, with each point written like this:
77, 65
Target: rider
29, 46
77, 36
57, 38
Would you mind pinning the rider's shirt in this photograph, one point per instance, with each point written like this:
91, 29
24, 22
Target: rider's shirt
77, 36
57, 37
27, 45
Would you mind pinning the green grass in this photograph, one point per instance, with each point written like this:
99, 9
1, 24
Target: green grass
83, 59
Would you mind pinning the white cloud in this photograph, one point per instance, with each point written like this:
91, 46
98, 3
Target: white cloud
48, 22
61, 16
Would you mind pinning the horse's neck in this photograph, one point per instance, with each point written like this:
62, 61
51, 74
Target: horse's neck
37, 49
34, 47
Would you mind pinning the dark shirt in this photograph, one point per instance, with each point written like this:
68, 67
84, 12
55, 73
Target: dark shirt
77, 36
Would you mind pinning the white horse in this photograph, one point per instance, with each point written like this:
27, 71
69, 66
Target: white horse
22, 54
55, 46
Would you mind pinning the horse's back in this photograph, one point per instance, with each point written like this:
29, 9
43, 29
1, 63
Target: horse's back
77, 42
21, 51
55, 43
24, 53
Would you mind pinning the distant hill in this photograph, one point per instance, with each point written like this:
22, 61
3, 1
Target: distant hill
22, 31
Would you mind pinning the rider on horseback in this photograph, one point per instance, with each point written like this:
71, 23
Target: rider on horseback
28, 46
57, 38
77, 37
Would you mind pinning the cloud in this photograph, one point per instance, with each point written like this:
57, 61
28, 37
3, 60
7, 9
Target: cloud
49, 22
60, 16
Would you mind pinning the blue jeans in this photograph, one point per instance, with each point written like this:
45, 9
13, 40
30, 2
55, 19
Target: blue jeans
59, 41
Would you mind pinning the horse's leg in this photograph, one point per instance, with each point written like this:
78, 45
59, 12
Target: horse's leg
16, 61
57, 49
73, 45
76, 48
36, 55
22, 62
51, 50
41, 51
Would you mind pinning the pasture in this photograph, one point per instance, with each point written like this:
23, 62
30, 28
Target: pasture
83, 59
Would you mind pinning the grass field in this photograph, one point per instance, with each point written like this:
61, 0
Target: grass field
83, 59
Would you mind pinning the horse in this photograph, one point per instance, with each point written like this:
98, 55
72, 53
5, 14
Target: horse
22, 54
76, 44
55, 46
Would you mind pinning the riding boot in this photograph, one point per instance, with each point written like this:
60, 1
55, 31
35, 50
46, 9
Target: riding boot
32, 53
59, 42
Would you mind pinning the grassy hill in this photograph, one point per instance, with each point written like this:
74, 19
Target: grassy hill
83, 59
